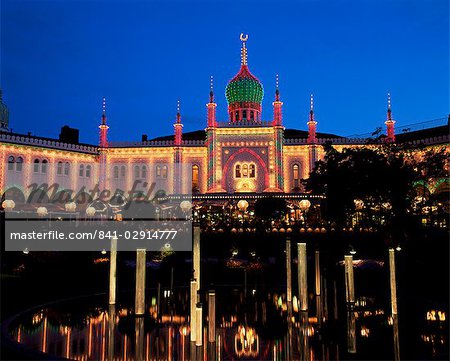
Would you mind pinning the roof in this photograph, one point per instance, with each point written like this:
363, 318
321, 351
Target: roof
423, 134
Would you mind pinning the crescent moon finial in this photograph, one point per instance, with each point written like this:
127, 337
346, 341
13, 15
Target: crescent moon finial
243, 37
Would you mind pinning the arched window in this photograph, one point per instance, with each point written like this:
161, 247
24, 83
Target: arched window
244, 115
245, 170
11, 160
88, 171
136, 172
296, 176
195, 171
36, 166
238, 171
164, 172
81, 170
252, 171
44, 166
59, 168
116, 172
66, 168
123, 171
158, 171
19, 164
144, 172
236, 117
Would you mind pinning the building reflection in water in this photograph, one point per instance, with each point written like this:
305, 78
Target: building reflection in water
261, 329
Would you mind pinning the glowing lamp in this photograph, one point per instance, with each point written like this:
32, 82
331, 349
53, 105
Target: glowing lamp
359, 204
304, 205
8, 204
90, 211
242, 205
70, 207
185, 206
42, 211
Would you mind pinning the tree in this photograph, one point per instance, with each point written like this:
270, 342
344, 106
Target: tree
382, 178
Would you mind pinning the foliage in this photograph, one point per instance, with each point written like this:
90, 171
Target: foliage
381, 177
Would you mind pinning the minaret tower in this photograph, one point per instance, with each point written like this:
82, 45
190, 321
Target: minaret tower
211, 106
312, 124
103, 151
390, 123
177, 174
178, 127
277, 107
103, 143
312, 138
278, 136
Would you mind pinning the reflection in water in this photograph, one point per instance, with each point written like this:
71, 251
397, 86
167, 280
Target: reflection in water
261, 328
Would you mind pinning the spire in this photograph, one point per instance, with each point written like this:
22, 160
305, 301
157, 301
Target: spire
244, 39
211, 90
277, 91
311, 108
178, 126
104, 111
390, 123
211, 106
277, 106
178, 112
389, 112
311, 122
103, 127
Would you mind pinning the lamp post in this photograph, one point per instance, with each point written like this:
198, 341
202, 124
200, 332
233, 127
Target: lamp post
350, 300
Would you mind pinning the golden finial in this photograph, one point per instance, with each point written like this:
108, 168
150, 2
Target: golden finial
244, 39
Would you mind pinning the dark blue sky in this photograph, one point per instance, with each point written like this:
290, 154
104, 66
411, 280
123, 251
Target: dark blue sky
58, 58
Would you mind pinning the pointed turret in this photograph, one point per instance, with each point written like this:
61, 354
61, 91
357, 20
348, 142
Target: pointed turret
103, 143
277, 107
211, 106
312, 124
178, 127
390, 123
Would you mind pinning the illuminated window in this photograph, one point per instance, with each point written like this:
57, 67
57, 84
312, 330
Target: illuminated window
116, 172
11, 163
136, 172
245, 170
66, 168
88, 171
44, 166
158, 171
296, 176
59, 168
195, 171
144, 171
36, 166
164, 172
238, 171
19, 164
81, 170
252, 169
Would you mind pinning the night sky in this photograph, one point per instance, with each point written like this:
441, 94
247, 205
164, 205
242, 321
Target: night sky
59, 58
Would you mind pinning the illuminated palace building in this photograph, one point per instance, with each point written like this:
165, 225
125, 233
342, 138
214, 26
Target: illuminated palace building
244, 154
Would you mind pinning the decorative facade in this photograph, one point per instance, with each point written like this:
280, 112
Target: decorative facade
244, 154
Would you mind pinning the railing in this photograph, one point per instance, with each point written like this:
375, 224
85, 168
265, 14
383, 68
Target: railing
299, 141
46, 143
156, 143
244, 123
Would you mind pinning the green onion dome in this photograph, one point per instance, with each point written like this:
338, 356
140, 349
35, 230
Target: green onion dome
244, 87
